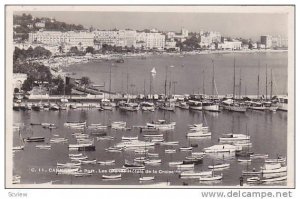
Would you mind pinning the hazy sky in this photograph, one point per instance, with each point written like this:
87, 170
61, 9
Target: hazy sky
246, 25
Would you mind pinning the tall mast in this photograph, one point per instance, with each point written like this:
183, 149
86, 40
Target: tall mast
109, 82
150, 91
271, 93
144, 87
203, 86
213, 78
233, 91
166, 81
240, 85
258, 79
127, 81
266, 81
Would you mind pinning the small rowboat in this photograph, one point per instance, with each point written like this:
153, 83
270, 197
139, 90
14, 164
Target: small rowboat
79, 158
88, 161
256, 156
75, 155
253, 180
185, 166
114, 176
141, 151
185, 148
192, 174
82, 174
274, 179
175, 163
43, 146
107, 162
278, 160
196, 154
69, 164
211, 178
153, 135
170, 151
114, 149
130, 138
18, 148
219, 166
155, 155
173, 143
244, 160
105, 138
152, 162
149, 178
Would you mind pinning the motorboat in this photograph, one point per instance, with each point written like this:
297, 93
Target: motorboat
34, 139
134, 144
107, 162
129, 106
211, 177
276, 160
195, 105
175, 163
162, 125
193, 174
146, 178
129, 138
222, 148
170, 143
170, 151
210, 106
198, 134
185, 166
232, 137
183, 105
147, 106
260, 156
185, 148
43, 146
74, 124
112, 176
118, 125
219, 166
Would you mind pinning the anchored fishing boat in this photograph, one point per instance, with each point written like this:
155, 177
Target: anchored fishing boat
211, 178
231, 137
146, 178
222, 148
107, 162
193, 174
162, 125
112, 176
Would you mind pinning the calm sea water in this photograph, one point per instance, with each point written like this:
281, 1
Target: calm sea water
188, 73
268, 133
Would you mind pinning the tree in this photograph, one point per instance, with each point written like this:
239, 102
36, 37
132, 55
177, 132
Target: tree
90, 49
28, 84
16, 90
85, 81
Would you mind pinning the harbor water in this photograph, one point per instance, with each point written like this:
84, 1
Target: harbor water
190, 72
268, 133
268, 130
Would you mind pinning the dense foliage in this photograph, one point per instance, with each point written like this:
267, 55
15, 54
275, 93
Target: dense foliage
25, 23
30, 53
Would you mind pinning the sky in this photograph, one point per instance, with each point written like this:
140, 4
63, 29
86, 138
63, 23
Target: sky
245, 25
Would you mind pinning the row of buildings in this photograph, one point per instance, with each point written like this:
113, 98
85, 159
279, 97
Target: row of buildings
274, 41
148, 39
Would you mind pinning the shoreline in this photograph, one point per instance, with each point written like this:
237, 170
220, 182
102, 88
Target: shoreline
64, 62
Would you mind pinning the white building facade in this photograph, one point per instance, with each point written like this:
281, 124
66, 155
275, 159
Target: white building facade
82, 39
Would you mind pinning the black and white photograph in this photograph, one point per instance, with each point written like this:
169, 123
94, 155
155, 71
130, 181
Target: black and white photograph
149, 96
